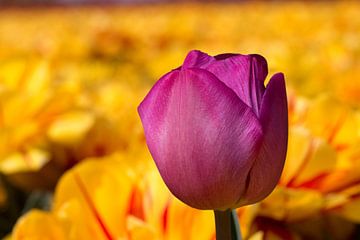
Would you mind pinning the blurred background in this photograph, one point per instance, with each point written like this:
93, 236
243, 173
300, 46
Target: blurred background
73, 159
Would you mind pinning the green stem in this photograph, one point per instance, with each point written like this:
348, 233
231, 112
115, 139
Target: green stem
227, 225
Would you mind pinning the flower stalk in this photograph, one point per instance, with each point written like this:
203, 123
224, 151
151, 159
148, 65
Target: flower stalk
227, 225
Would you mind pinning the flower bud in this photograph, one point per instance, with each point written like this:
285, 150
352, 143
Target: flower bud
216, 134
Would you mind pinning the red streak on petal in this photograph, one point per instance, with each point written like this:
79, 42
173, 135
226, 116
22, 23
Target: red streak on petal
314, 183
165, 218
136, 207
341, 147
92, 207
308, 155
339, 123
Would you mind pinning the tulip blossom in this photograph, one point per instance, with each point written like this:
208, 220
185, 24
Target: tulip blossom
216, 134
83, 210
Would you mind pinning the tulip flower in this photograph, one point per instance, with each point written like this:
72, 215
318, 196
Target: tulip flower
216, 134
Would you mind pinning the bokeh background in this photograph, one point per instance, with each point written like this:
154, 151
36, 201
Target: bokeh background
73, 159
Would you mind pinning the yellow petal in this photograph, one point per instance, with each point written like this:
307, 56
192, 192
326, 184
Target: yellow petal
156, 200
350, 210
11, 72
247, 215
325, 117
38, 225
93, 199
31, 160
71, 127
140, 230
346, 203
321, 159
184, 222
298, 149
291, 204
257, 236
347, 132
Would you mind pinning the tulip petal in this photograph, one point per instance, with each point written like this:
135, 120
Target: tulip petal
202, 137
197, 59
267, 169
225, 56
82, 198
244, 74
37, 224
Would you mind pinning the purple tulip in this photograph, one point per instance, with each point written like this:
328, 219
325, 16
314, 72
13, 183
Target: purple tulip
217, 135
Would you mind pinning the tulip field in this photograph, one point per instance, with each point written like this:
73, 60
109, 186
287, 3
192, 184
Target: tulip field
74, 163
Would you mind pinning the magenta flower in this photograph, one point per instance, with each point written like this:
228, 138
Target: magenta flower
217, 135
